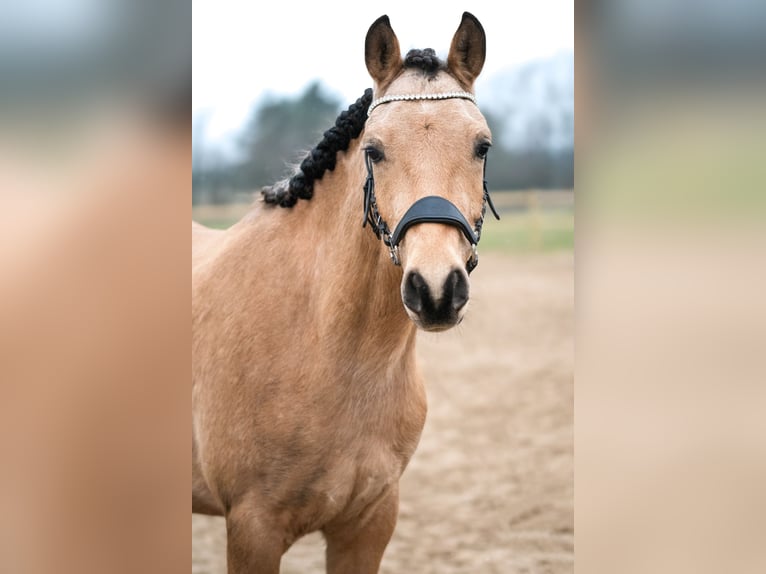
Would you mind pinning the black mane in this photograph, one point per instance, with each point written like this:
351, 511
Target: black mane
347, 127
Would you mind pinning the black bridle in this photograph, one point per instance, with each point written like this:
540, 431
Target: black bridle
429, 209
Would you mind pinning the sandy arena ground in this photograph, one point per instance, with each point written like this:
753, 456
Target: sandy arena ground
490, 488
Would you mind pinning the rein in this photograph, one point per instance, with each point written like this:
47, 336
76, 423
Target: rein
430, 209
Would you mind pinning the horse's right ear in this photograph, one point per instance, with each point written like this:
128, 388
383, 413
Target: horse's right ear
468, 50
381, 52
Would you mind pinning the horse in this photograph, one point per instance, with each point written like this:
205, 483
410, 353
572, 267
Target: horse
307, 402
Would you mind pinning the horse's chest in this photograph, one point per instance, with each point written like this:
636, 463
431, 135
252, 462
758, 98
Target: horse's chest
369, 482
351, 486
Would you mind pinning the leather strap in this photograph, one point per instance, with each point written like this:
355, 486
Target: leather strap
433, 209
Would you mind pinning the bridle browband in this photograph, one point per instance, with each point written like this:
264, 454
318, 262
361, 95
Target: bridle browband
430, 209
411, 97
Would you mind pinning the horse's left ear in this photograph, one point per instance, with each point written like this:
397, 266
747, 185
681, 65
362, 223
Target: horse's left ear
468, 50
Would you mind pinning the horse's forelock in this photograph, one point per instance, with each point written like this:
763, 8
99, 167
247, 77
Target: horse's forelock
425, 60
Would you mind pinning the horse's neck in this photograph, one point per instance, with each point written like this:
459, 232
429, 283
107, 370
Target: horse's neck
354, 286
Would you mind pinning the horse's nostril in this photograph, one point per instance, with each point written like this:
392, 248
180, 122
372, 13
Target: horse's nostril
415, 291
456, 289
436, 308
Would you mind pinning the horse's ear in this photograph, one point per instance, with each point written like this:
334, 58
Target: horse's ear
468, 50
381, 52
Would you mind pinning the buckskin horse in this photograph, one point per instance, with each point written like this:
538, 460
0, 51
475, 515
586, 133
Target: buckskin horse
307, 403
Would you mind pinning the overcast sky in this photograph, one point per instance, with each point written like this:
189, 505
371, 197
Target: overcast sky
245, 48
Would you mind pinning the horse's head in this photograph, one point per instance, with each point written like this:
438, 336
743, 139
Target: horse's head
425, 144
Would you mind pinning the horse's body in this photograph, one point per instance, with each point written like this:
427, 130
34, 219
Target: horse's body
307, 403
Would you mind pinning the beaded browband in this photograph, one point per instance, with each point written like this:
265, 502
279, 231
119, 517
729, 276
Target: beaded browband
408, 97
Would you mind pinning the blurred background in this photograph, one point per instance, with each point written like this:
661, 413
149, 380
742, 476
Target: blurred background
95, 177
267, 85
671, 273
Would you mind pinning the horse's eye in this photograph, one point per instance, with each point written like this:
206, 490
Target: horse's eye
374, 154
482, 148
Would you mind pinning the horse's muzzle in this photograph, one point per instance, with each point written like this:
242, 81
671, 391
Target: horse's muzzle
435, 308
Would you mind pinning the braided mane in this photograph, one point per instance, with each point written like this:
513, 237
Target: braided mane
348, 126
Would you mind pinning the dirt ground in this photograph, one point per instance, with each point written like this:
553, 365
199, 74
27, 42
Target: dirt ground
490, 488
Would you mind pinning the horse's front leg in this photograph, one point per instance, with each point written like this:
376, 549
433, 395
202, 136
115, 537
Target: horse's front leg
253, 544
357, 547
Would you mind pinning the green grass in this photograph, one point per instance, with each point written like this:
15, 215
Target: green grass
529, 231
219, 216
217, 222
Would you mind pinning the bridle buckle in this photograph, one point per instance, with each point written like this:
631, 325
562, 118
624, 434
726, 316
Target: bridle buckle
394, 253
